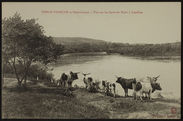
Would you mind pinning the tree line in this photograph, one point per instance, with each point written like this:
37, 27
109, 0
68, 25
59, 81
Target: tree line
167, 49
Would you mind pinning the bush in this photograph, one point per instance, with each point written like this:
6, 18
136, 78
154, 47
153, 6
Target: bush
33, 72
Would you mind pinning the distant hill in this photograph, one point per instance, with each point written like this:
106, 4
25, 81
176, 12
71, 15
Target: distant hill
79, 44
76, 40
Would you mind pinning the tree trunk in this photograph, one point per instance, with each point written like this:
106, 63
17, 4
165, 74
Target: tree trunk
16, 74
25, 81
2, 74
19, 84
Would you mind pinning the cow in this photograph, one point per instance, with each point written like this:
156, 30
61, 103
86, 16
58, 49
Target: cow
63, 79
147, 87
87, 81
68, 79
71, 78
104, 84
126, 84
109, 88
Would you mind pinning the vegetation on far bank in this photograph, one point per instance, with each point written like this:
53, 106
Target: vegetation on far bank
78, 44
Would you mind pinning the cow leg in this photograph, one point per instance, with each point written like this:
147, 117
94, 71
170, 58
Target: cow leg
126, 92
141, 94
147, 95
63, 83
134, 95
105, 91
114, 92
150, 95
58, 83
68, 85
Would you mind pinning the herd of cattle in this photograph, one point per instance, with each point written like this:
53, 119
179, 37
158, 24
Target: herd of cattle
140, 88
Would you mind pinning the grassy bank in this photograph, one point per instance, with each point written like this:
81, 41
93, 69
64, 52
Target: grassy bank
41, 101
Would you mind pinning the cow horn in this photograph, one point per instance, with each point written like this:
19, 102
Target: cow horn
86, 73
157, 76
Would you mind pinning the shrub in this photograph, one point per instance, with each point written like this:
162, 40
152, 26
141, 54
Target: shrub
33, 72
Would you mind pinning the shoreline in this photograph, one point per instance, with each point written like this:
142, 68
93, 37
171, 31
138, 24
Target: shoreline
152, 57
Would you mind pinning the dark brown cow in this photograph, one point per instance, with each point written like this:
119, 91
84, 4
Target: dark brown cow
63, 79
126, 84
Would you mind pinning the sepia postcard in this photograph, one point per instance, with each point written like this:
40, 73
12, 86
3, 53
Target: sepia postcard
91, 60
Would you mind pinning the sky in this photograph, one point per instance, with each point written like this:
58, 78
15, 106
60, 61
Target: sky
127, 22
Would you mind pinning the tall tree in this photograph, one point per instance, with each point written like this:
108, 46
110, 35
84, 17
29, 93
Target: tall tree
24, 42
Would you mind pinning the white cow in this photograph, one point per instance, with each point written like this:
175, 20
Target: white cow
146, 87
87, 80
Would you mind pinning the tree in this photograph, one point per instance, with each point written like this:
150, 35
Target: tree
24, 42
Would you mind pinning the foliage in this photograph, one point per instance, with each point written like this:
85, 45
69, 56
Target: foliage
33, 72
78, 44
168, 49
24, 42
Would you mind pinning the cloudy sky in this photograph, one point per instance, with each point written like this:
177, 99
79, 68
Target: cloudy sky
153, 22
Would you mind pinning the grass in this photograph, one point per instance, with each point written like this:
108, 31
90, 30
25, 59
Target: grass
45, 104
53, 103
38, 102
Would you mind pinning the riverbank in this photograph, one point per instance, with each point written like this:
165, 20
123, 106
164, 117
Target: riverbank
169, 57
159, 57
43, 101
164, 57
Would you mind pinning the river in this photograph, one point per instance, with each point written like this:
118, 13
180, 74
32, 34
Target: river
105, 67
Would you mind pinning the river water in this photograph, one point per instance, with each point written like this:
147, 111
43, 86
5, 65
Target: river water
105, 67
